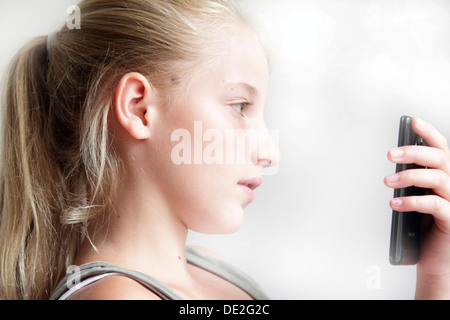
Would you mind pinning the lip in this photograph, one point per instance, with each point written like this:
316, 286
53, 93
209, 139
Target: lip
249, 185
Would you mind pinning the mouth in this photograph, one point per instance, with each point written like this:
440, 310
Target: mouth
249, 185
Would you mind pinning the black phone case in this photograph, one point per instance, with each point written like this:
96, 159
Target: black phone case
406, 226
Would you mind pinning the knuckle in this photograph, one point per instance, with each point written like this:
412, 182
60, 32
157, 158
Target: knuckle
443, 159
444, 140
405, 175
438, 207
436, 204
442, 178
410, 152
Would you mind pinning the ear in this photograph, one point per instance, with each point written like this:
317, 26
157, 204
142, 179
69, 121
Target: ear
133, 99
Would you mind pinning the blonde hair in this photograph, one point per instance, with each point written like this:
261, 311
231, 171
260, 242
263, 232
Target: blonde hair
59, 167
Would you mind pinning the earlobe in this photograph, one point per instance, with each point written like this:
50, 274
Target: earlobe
133, 98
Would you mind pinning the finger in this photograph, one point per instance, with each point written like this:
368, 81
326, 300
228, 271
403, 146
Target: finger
430, 135
421, 155
438, 207
434, 179
424, 156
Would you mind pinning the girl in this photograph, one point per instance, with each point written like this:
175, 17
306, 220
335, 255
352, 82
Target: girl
90, 168
92, 181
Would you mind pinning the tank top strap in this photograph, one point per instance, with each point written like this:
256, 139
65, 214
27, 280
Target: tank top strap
226, 271
94, 271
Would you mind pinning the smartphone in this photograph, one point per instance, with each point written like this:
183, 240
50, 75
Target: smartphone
406, 226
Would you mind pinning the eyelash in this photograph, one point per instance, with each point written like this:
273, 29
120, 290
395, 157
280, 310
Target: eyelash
244, 105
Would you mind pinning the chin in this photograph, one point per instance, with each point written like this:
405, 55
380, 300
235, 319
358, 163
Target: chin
227, 223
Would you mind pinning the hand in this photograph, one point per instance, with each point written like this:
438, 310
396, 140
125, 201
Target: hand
433, 268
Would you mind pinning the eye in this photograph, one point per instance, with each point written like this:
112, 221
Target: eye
240, 107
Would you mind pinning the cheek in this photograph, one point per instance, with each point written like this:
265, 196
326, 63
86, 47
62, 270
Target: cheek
206, 198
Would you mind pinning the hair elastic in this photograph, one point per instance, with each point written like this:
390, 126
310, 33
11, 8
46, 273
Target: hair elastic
50, 40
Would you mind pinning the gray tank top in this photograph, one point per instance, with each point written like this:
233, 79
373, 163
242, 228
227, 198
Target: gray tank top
94, 271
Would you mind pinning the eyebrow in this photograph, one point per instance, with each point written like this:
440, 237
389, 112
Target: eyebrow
251, 89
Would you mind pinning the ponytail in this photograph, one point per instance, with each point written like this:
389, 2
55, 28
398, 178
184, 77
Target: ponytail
31, 187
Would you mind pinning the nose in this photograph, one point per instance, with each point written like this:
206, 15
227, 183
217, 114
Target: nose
267, 153
265, 163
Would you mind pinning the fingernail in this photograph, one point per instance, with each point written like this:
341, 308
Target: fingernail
419, 123
397, 202
397, 153
392, 178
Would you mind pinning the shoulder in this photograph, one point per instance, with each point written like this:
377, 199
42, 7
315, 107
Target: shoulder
114, 288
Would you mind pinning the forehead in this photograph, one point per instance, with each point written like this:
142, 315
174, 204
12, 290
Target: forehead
237, 66
244, 63
241, 63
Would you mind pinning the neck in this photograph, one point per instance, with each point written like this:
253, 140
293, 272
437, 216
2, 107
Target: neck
140, 232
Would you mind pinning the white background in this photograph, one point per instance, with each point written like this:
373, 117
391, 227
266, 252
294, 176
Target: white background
344, 73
